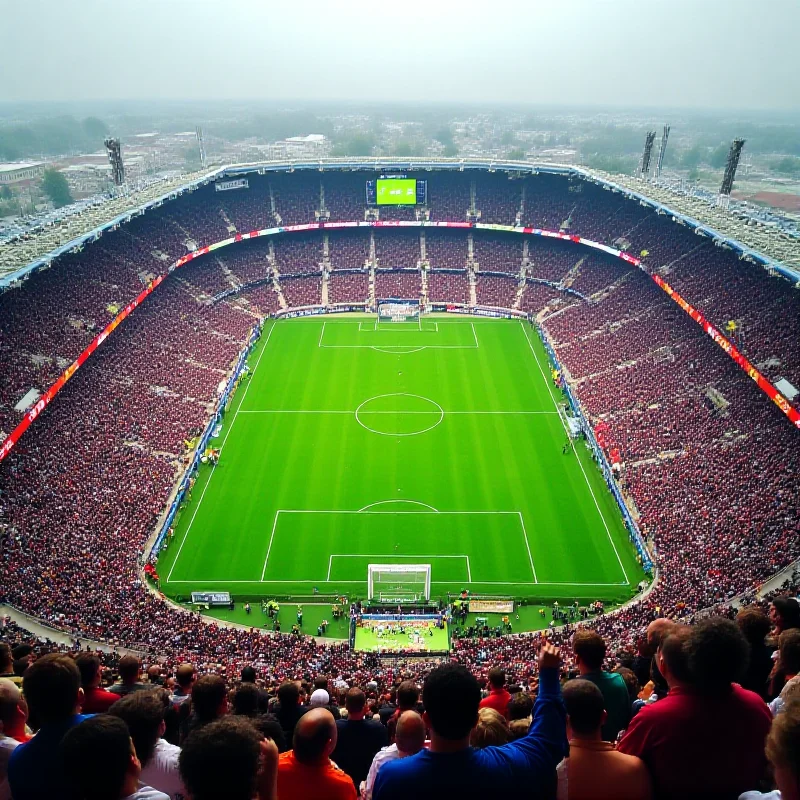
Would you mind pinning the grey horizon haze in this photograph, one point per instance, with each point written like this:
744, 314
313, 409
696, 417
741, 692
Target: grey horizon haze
715, 54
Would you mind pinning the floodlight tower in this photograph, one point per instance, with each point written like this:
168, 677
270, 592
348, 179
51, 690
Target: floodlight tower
646, 155
114, 150
199, 133
662, 149
723, 199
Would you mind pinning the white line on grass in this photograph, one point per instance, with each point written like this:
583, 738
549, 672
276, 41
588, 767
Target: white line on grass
322, 333
472, 325
528, 545
337, 411
222, 447
272, 536
201, 582
429, 556
580, 463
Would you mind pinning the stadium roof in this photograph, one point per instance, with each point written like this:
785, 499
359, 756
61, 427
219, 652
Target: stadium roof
771, 248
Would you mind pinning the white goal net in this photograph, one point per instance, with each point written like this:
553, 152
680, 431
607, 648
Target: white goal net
398, 583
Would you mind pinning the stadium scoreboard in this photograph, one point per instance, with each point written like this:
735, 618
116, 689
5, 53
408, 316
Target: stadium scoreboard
396, 190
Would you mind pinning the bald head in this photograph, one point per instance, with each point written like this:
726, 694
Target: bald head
314, 736
410, 733
9, 701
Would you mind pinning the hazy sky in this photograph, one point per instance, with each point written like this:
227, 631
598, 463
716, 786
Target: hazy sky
694, 53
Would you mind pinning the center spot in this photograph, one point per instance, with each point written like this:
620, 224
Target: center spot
399, 414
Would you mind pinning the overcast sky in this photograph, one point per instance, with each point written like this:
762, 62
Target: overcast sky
736, 54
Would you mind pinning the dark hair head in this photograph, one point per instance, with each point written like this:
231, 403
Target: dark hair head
248, 674
21, 651
321, 682
789, 647
407, 695
673, 649
185, 674
288, 694
51, 686
88, 665
631, 681
717, 654
590, 647
520, 706
143, 713
788, 609
355, 701
221, 760
129, 668
96, 756
208, 695
313, 732
268, 725
497, 677
5, 657
451, 697
585, 706
753, 623
245, 700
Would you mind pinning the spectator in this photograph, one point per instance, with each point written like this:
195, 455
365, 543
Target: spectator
410, 739
789, 666
245, 700
269, 728
708, 726
185, 677
784, 613
307, 771
491, 729
358, 739
321, 682
407, 700
498, 698
632, 684
143, 713
13, 711
155, 675
248, 676
53, 692
130, 668
289, 709
520, 706
783, 751
451, 768
221, 760
7, 665
590, 651
594, 770
755, 626
100, 762
209, 703
95, 699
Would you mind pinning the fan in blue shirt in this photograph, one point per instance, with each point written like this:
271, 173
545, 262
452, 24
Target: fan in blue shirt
451, 768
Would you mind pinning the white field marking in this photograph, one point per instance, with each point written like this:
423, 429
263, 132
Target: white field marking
400, 350
528, 546
330, 511
386, 502
428, 556
361, 322
402, 394
580, 463
222, 447
322, 333
448, 413
480, 583
269, 548
472, 325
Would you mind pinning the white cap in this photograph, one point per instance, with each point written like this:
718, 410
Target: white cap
319, 697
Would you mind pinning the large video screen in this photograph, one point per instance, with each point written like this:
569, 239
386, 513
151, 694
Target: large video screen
396, 192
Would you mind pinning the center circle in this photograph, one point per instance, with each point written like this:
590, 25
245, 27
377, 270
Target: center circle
399, 414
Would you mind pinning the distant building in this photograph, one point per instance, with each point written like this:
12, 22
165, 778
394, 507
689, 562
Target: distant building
22, 172
314, 145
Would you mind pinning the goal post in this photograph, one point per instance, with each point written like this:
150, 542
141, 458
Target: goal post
395, 309
398, 583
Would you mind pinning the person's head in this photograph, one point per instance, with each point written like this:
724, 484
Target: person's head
497, 678
6, 659
288, 694
315, 737
451, 697
245, 700
185, 676
518, 728
89, 667
356, 703
52, 688
717, 654
154, 674
789, 649
491, 729
783, 751
221, 760
409, 733
248, 675
520, 706
319, 698
129, 669
631, 682
22, 651
672, 659
784, 613
754, 624
321, 682
13, 710
657, 631
407, 696
209, 697
143, 713
590, 650
99, 759
586, 711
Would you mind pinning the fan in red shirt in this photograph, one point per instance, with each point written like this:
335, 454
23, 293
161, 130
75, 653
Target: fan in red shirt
705, 739
498, 698
96, 700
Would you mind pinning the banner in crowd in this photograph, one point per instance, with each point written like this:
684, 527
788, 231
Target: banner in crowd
227, 186
491, 606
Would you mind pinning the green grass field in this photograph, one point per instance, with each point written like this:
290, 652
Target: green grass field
437, 442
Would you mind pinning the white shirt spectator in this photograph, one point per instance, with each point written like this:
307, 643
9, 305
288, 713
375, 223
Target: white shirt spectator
161, 771
7, 745
146, 793
383, 755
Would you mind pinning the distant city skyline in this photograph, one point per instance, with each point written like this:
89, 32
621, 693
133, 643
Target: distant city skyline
706, 54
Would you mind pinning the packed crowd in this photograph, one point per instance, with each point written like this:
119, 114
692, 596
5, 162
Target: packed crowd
703, 710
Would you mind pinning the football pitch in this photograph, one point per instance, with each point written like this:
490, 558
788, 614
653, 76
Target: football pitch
434, 442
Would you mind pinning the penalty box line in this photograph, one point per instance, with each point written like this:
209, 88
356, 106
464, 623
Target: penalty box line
378, 513
475, 346
428, 557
